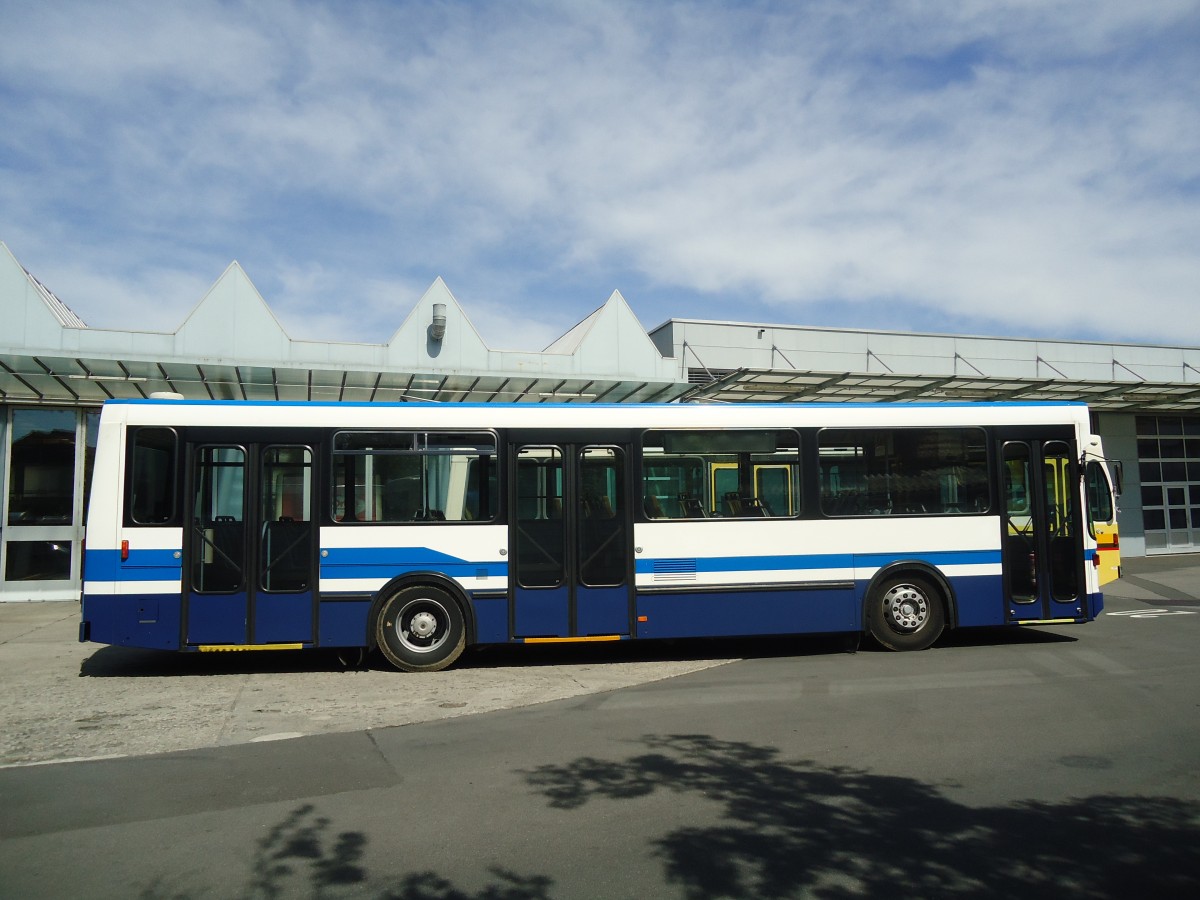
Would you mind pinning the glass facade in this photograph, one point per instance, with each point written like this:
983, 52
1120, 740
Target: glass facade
1169, 472
47, 457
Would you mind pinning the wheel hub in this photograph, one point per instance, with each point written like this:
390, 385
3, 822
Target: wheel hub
423, 624
906, 608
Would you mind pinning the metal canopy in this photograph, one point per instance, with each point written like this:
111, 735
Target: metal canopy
786, 386
40, 379
47, 380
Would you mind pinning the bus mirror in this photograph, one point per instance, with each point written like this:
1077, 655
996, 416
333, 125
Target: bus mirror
1118, 474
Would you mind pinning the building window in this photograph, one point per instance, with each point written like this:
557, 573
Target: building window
41, 478
1169, 470
47, 461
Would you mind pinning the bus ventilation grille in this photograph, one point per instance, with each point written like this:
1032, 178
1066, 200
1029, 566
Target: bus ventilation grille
675, 570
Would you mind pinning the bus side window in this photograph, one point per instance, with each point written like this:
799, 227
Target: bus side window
1100, 501
152, 477
903, 471
399, 477
721, 473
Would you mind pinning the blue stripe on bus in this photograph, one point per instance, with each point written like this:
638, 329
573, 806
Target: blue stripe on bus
396, 556
939, 558
384, 562
389, 570
142, 565
815, 561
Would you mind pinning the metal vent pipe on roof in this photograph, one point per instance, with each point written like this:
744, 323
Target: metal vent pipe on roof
437, 330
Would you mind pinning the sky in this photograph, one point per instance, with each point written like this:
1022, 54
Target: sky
1025, 168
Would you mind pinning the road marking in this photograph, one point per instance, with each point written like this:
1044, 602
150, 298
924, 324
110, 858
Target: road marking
1151, 613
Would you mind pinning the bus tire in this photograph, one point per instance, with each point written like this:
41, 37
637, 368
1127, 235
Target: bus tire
906, 612
420, 628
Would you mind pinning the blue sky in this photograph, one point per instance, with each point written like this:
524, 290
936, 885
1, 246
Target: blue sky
1027, 168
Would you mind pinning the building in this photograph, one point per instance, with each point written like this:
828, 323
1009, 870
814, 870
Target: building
55, 372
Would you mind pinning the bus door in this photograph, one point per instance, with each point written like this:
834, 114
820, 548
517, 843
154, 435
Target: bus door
250, 569
571, 535
1042, 530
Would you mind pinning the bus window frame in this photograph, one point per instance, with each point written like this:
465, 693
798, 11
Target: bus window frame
712, 504
128, 519
985, 469
1109, 491
418, 448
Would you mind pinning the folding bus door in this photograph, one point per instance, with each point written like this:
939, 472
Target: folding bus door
570, 540
251, 561
1042, 529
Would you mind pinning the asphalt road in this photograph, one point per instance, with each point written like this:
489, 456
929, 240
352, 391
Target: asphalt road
1034, 763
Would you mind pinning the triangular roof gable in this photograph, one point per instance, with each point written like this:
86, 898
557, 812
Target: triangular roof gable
32, 316
570, 341
611, 333
460, 346
233, 321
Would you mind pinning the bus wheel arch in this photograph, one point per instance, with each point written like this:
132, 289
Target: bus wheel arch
908, 606
420, 624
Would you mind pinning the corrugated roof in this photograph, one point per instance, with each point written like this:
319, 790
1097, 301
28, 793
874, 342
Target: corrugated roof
66, 316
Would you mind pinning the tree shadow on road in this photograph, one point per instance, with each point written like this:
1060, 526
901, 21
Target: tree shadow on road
787, 829
795, 828
301, 856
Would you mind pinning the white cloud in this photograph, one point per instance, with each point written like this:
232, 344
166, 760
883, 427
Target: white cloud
1024, 165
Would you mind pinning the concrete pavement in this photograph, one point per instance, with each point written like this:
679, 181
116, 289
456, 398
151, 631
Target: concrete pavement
65, 700
1159, 579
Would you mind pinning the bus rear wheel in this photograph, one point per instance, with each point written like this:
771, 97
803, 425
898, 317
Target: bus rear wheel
906, 613
420, 628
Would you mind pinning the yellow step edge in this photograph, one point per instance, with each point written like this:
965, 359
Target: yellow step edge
1047, 621
229, 648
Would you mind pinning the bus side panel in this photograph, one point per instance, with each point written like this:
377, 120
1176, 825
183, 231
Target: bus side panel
343, 623
132, 620
1108, 549
542, 612
359, 560
734, 612
975, 578
217, 618
362, 559
980, 599
283, 619
491, 619
603, 610
134, 601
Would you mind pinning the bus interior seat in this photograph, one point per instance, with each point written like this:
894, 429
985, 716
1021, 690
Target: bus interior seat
745, 507
597, 506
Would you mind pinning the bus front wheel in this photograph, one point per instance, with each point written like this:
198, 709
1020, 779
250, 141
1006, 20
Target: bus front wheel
906, 613
420, 628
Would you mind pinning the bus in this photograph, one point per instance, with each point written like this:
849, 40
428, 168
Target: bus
1102, 506
421, 529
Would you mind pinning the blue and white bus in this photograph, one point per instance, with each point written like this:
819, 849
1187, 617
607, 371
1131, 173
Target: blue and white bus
421, 529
